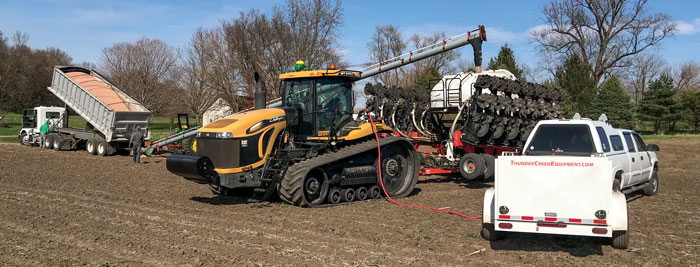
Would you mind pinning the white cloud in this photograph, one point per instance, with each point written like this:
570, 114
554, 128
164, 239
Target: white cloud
100, 14
686, 28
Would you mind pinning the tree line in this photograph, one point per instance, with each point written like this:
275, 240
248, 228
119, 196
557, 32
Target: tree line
601, 52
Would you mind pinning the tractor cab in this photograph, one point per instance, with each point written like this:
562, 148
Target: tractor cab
323, 99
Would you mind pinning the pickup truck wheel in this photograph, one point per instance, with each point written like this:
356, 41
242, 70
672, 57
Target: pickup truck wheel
490, 166
488, 232
652, 186
472, 166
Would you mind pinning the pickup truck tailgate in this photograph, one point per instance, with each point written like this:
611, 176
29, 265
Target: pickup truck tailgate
560, 189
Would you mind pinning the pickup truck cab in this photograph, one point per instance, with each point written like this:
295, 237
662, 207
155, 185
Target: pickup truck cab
570, 180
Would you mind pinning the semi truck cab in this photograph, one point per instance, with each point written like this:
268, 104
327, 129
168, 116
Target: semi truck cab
32, 119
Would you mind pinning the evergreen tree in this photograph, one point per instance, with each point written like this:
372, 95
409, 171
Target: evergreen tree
506, 60
429, 74
612, 100
659, 104
690, 101
575, 77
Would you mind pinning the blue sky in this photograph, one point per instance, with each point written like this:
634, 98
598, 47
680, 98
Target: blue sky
83, 28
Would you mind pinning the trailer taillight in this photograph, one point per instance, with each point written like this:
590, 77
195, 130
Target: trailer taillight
600, 231
505, 226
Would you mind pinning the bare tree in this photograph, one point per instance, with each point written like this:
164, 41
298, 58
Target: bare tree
687, 76
386, 43
602, 32
197, 93
25, 73
302, 30
642, 70
146, 69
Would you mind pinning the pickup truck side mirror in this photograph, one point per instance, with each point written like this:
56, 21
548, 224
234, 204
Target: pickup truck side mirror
652, 147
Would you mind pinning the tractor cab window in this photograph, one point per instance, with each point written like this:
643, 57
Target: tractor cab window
333, 103
299, 94
28, 118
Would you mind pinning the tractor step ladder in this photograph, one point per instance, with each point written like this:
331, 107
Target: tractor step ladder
272, 174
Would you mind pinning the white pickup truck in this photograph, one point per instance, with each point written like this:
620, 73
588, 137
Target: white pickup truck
570, 180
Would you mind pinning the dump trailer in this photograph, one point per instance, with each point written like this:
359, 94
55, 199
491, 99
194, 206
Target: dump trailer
111, 115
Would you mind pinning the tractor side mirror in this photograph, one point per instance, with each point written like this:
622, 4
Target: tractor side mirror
652, 147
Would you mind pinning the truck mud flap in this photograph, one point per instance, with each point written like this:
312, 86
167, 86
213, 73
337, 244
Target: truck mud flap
198, 169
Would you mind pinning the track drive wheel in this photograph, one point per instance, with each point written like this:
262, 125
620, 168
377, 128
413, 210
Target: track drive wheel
397, 170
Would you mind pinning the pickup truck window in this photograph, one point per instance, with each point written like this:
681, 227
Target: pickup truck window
640, 143
561, 139
616, 143
628, 140
603, 139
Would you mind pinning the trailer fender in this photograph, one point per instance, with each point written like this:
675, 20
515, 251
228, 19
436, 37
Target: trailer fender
489, 201
618, 214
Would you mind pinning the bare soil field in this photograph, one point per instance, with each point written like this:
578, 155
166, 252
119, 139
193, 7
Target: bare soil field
61, 208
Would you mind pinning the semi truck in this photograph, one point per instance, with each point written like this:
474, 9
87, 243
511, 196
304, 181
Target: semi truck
111, 115
571, 179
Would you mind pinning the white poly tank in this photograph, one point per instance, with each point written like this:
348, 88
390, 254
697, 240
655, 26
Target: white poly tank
452, 90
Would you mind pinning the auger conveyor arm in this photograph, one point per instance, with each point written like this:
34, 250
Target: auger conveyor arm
474, 37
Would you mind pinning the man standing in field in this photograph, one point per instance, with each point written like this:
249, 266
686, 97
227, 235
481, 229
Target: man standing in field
135, 143
43, 130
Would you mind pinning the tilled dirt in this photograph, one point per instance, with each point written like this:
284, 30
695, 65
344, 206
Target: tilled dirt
62, 208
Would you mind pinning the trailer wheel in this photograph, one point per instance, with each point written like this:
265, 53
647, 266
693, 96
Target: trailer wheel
490, 166
57, 142
472, 166
621, 239
652, 186
488, 232
102, 148
90, 147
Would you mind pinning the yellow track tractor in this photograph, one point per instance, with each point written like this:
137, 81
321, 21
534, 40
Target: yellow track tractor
308, 149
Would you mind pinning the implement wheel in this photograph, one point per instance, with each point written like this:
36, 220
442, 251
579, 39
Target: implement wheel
472, 166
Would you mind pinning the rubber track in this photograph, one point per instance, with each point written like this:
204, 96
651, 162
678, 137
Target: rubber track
290, 190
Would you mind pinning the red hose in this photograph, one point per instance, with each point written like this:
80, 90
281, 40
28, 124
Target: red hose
381, 180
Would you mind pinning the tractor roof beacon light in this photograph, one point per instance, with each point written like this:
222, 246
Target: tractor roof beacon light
332, 67
299, 65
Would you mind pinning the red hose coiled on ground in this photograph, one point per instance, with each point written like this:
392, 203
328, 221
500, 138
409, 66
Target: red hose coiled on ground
381, 180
